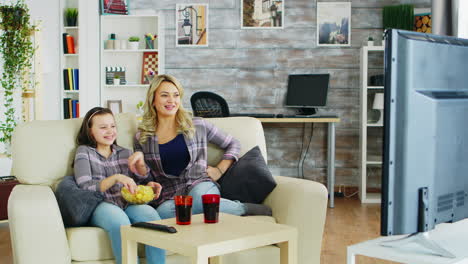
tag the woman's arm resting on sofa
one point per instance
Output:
(36, 227)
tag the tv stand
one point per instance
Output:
(452, 236)
(306, 111)
(423, 239)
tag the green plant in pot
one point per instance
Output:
(16, 51)
(133, 42)
(71, 16)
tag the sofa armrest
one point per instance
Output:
(302, 204)
(36, 227)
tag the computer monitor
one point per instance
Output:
(425, 150)
(306, 92)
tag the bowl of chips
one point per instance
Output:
(143, 195)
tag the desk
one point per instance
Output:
(331, 146)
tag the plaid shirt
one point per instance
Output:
(91, 168)
(195, 172)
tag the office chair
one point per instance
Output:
(208, 104)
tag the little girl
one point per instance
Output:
(101, 165)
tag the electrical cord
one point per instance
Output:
(302, 149)
(308, 145)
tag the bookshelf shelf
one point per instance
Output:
(127, 64)
(129, 51)
(69, 64)
(365, 139)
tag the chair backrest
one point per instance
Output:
(208, 104)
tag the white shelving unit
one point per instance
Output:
(125, 26)
(68, 60)
(367, 159)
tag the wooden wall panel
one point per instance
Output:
(250, 68)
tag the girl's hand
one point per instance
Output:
(214, 173)
(156, 188)
(136, 162)
(127, 182)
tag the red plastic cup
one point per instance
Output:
(211, 208)
(183, 205)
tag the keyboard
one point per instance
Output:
(257, 115)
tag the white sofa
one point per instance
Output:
(42, 156)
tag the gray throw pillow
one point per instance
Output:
(248, 180)
(76, 205)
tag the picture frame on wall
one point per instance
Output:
(262, 14)
(115, 106)
(333, 23)
(114, 7)
(191, 25)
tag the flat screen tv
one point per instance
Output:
(425, 150)
(306, 92)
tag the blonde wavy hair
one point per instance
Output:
(149, 123)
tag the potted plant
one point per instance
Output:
(370, 41)
(16, 51)
(71, 16)
(133, 42)
(116, 80)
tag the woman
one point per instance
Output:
(174, 146)
(101, 165)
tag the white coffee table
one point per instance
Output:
(200, 241)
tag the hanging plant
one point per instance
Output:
(16, 51)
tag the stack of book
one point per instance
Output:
(71, 79)
(68, 44)
(71, 108)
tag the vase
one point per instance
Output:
(133, 45)
(370, 43)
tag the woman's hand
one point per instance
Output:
(214, 173)
(127, 182)
(156, 188)
(136, 163)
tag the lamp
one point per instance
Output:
(187, 26)
(379, 105)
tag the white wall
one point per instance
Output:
(48, 11)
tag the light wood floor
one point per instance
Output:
(350, 222)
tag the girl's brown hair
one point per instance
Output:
(84, 136)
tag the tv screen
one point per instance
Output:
(307, 90)
(425, 152)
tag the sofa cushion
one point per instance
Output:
(76, 205)
(32, 157)
(248, 180)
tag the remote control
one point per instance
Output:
(164, 228)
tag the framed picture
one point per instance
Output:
(150, 67)
(333, 23)
(192, 25)
(262, 14)
(115, 106)
(119, 7)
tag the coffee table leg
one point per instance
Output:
(214, 260)
(288, 252)
(199, 259)
(129, 249)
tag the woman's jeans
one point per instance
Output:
(110, 217)
(167, 208)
